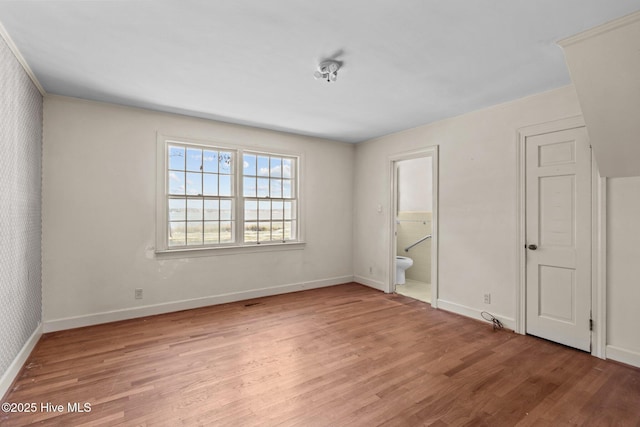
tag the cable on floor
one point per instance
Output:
(497, 324)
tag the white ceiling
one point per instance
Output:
(406, 62)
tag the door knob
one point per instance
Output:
(532, 247)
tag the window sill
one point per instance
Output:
(228, 250)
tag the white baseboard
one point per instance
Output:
(623, 355)
(474, 313)
(371, 283)
(150, 310)
(14, 369)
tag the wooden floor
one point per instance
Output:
(340, 356)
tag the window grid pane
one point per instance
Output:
(269, 220)
(269, 191)
(274, 176)
(177, 233)
(196, 172)
(201, 197)
(177, 158)
(197, 221)
(199, 212)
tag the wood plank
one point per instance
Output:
(343, 355)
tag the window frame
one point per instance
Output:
(293, 178)
(239, 245)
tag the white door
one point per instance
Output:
(558, 241)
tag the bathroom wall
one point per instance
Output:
(20, 226)
(414, 185)
(99, 202)
(412, 226)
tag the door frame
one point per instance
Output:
(598, 234)
(393, 203)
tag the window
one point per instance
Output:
(200, 196)
(269, 198)
(212, 199)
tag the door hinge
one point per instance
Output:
(591, 324)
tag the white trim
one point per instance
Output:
(228, 250)
(23, 62)
(371, 283)
(432, 152)
(393, 212)
(521, 279)
(14, 368)
(623, 355)
(473, 312)
(600, 29)
(521, 137)
(553, 126)
(598, 261)
(435, 230)
(168, 307)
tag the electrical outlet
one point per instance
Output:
(487, 298)
(138, 293)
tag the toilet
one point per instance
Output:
(402, 263)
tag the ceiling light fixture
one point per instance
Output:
(327, 70)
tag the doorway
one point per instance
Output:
(413, 252)
(556, 233)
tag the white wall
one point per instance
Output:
(604, 66)
(477, 204)
(99, 212)
(623, 269)
(414, 185)
(20, 230)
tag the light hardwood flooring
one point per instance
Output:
(340, 356)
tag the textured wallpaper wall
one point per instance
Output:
(20, 206)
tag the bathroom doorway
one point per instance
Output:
(414, 227)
